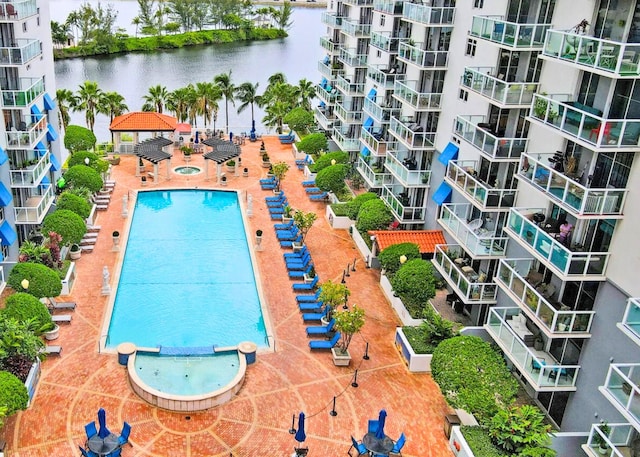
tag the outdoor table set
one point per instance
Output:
(103, 442)
(375, 442)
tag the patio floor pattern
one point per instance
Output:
(280, 384)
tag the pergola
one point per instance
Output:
(152, 151)
(222, 151)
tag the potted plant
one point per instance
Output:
(598, 438)
(348, 323)
(115, 236)
(187, 151)
(304, 222)
(223, 181)
(265, 161)
(143, 181)
(231, 166)
(258, 238)
(114, 160)
(287, 213)
(538, 343)
(333, 294)
(74, 251)
(245, 172)
(279, 172)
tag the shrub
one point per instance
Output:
(331, 179)
(373, 215)
(67, 224)
(13, 393)
(313, 144)
(324, 160)
(480, 442)
(74, 203)
(340, 209)
(43, 281)
(299, 119)
(433, 330)
(83, 176)
(22, 307)
(522, 431)
(389, 257)
(473, 376)
(414, 284)
(78, 138)
(353, 207)
(95, 162)
(19, 346)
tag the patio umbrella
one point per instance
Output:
(253, 126)
(381, 419)
(197, 136)
(300, 435)
(231, 137)
(102, 421)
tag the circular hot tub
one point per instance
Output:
(187, 170)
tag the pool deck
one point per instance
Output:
(280, 384)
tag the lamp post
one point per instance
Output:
(333, 161)
(403, 259)
(87, 161)
(25, 284)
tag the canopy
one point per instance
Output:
(450, 152)
(222, 150)
(151, 149)
(443, 194)
(7, 235)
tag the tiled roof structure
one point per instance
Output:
(425, 239)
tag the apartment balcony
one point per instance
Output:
(326, 69)
(401, 206)
(405, 171)
(428, 15)
(619, 440)
(329, 45)
(325, 117)
(502, 93)
(412, 135)
(426, 60)
(355, 29)
(383, 76)
(18, 10)
(463, 175)
(406, 92)
(385, 41)
(22, 52)
(569, 264)
(540, 368)
(326, 92)
(351, 57)
(375, 142)
(348, 88)
(613, 59)
(374, 176)
(392, 7)
(347, 116)
(29, 173)
(554, 318)
(30, 90)
(35, 208)
(630, 324)
(479, 134)
(479, 242)
(585, 124)
(577, 199)
(511, 35)
(622, 389)
(358, 2)
(344, 141)
(331, 19)
(30, 131)
(468, 284)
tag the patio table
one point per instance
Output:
(103, 446)
(377, 446)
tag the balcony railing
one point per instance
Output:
(341, 137)
(21, 53)
(31, 175)
(572, 195)
(566, 263)
(326, 95)
(354, 28)
(622, 388)
(492, 146)
(428, 15)
(385, 41)
(462, 174)
(406, 91)
(477, 242)
(324, 118)
(378, 111)
(30, 89)
(346, 116)
(407, 177)
(18, 10)
(348, 88)
(31, 130)
(585, 123)
(35, 207)
(510, 94)
(433, 60)
(509, 34)
(377, 146)
(554, 318)
(618, 439)
(404, 212)
(325, 69)
(388, 6)
(331, 19)
(383, 75)
(351, 58)
(358, 2)
(468, 285)
(613, 57)
(373, 178)
(631, 321)
(329, 45)
(412, 135)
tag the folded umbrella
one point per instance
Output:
(103, 432)
(300, 434)
(381, 419)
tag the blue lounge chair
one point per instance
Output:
(285, 135)
(309, 298)
(293, 230)
(397, 447)
(319, 197)
(275, 198)
(322, 330)
(268, 180)
(311, 306)
(312, 317)
(124, 436)
(325, 344)
(278, 203)
(313, 190)
(296, 255)
(298, 260)
(90, 429)
(284, 226)
(298, 274)
(288, 244)
(288, 236)
(306, 285)
(304, 265)
(358, 447)
(276, 210)
(310, 183)
(268, 186)
(301, 163)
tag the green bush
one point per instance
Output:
(74, 203)
(353, 207)
(313, 144)
(522, 431)
(331, 179)
(340, 209)
(324, 160)
(414, 284)
(433, 330)
(43, 281)
(389, 257)
(67, 224)
(13, 393)
(98, 164)
(473, 376)
(480, 442)
(299, 119)
(22, 307)
(78, 138)
(83, 176)
(373, 215)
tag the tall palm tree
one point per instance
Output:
(276, 78)
(275, 115)
(112, 104)
(193, 108)
(155, 99)
(247, 95)
(306, 91)
(208, 95)
(178, 103)
(223, 81)
(88, 98)
(66, 102)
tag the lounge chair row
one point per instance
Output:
(301, 163)
(55, 305)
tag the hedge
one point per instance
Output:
(324, 160)
(22, 306)
(67, 224)
(479, 441)
(414, 284)
(83, 176)
(331, 178)
(373, 215)
(43, 281)
(313, 144)
(74, 203)
(78, 138)
(353, 207)
(78, 158)
(389, 257)
(299, 119)
(13, 393)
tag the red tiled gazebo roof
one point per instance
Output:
(425, 239)
(142, 121)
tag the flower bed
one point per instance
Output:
(417, 363)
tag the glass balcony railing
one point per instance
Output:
(555, 318)
(393, 7)
(375, 177)
(412, 135)
(631, 320)
(512, 94)
(377, 108)
(385, 41)
(463, 175)
(30, 89)
(30, 173)
(398, 166)
(331, 19)
(384, 76)
(573, 196)
(428, 15)
(509, 34)
(401, 207)
(540, 368)
(585, 123)
(344, 84)
(494, 147)
(406, 92)
(375, 143)
(351, 58)
(326, 93)
(478, 242)
(23, 51)
(35, 208)
(346, 116)
(358, 2)
(31, 130)
(18, 10)
(622, 388)
(324, 117)
(470, 286)
(355, 29)
(325, 69)
(329, 45)
(613, 57)
(343, 140)
(428, 60)
(618, 438)
(554, 254)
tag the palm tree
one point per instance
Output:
(208, 95)
(223, 80)
(193, 109)
(88, 98)
(178, 103)
(306, 91)
(247, 94)
(275, 115)
(112, 104)
(277, 78)
(66, 102)
(156, 99)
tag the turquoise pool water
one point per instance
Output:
(187, 278)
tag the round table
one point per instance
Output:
(103, 446)
(377, 445)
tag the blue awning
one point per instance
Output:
(372, 94)
(364, 152)
(5, 195)
(326, 60)
(3, 156)
(35, 109)
(45, 180)
(443, 194)
(49, 104)
(55, 164)
(449, 153)
(8, 236)
(322, 105)
(368, 123)
(41, 149)
(52, 135)
(323, 82)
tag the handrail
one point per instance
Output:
(489, 197)
(478, 245)
(477, 291)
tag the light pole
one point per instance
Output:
(25, 284)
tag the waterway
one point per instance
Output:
(131, 75)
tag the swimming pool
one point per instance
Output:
(187, 279)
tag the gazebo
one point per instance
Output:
(222, 151)
(152, 151)
(141, 121)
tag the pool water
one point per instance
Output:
(187, 278)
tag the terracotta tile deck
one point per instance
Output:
(280, 384)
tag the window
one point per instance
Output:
(471, 47)
(464, 95)
(478, 3)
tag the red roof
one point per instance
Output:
(425, 239)
(142, 121)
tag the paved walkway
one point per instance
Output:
(282, 383)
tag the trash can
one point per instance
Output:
(124, 351)
(249, 349)
(449, 421)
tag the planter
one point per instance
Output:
(75, 252)
(397, 304)
(187, 158)
(52, 334)
(417, 363)
(308, 279)
(143, 181)
(340, 359)
(69, 280)
(245, 173)
(113, 160)
(337, 222)
(32, 380)
(231, 168)
(266, 164)
(363, 248)
(115, 237)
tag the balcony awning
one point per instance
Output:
(368, 123)
(49, 104)
(443, 194)
(41, 149)
(35, 110)
(52, 135)
(450, 152)
(8, 236)
(55, 164)
(322, 105)
(5, 195)
(3, 156)
(323, 82)
(372, 94)
(364, 152)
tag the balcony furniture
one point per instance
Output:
(537, 364)
(596, 130)
(518, 324)
(574, 117)
(631, 133)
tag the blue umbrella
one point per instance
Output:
(102, 421)
(231, 137)
(197, 136)
(253, 126)
(300, 435)
(381, 419)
